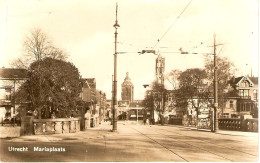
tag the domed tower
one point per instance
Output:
(127, 89)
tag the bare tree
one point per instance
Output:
(172, 77)
(225, 71)
(36, 47)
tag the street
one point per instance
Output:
(134, 143)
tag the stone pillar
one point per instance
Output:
(27, 125)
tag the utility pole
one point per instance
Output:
(116, 25)
(112, 104)
(215, 88)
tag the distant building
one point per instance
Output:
(159, 69)
(127, 89)
(89, 90)
(136, 110)
(96, 100)
(10, 80)
(88, 95)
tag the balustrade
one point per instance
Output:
(56, 126)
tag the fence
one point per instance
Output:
(237, 124)
(233, 124)
(175, 121)
(56, 126)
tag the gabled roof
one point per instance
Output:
(254, 80)
(13, 73)
(234, 80)
(237, 80)
(89, 82)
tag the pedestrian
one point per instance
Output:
(144, 121)
(147, 121)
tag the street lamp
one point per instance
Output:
(116, 25)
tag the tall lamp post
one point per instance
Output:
(116, 25)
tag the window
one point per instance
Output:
(231, 104)
(243, 84)
(243, 92)
(225, 115)
(255, 94)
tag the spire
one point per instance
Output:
(127, 77)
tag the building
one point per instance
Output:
(122, 109)
(101, 104)
(127, 89)
(10, 81)
(242, 97)
(136, 110)
(96, 101)
(159, 69)
(88, 95)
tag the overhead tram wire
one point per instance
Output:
(201, 43)
(172, 25)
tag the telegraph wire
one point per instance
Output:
(172, 24)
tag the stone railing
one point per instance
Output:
(56, 126)
(237, 124)
(251, 125)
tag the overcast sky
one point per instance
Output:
(84, 30)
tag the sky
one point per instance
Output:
(84, 30)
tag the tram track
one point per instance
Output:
(160, 144)
(189, 144)
(207, 142)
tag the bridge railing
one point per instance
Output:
(56, 125)
(237, 124)
(230, 124)
(251, 125)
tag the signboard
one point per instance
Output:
(203, 123)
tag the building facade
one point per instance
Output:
(10, 81)
(242, 98)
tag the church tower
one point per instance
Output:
(127, 89)
(159, 69)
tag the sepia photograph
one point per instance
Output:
(129, 81)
